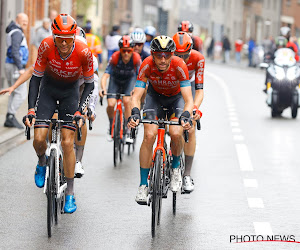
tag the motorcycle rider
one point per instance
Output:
(286, 32)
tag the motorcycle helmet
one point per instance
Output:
(150, 30)
(280, 42)
(285, 31)
(162, 44)
(138, 36)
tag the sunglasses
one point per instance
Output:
(183, 56)
(160, 55)
(67, 39)
(126, 51)
(138, 44)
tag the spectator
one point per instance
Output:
(268, 45)
(226, 49)
(53, 14)
(93, 43)
(112, 41)
(210, 49)
(251, 46)
(42, 32)
(16, 60)
(238, 48)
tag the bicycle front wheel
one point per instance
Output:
(51, 202)
(156, 190)
(116, 138)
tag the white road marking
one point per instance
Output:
(262, 228)
(236, 130)
(250, 183)
(234, 124)
(238, 137)
(243, 157)
(233, 118)
(255, 203)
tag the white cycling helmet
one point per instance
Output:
(82, 39)
(285, 31)
(138, 36)
(150, 30)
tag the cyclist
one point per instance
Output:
(187, 26)
(139, 38)
(61, 60)
(150, 32)
(121, 70)
(195, 62)
(169, 88)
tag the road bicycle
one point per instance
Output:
(159, 174)
(118, 129)
(55, 182)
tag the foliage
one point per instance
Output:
(82, 6)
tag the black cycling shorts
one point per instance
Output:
(68, 98)
(159, 106)
(117, 86)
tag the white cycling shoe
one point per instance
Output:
(79, 171)
(142, 194)
(176, 180)
(187, 184)
(128, 140)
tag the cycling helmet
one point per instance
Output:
(80, 32)
(64, 24)
(186, 26)
(82, 39)
(280, 41)
(138, 36)
(162, 44)
(183, 42)
(150, 30)
(126, 42)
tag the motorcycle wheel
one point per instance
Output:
(294, 106)
(274, 110)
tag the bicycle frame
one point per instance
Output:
(160, 144)
(120, 108)
(55, 144)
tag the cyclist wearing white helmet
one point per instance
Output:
(150, 32)
(139, 38)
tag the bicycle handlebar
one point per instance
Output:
(89, 114)
(113, 94)
(198, 122)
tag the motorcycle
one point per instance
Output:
(283, 82)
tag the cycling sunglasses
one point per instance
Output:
(160, 55)
(138, 44)
(126, 51)
(183, 56)
(67, 39)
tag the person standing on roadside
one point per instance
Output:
(238, 48)
(112, 41)
(226, 49)
(42, 32)
(16, 60)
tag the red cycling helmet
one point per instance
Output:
(64, 24)
(186, 26)
(183, 42)
(126, 42)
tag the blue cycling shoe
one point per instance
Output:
(39, 176)
(70, 206)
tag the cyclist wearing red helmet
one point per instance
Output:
(60, 62)
(121, 70)
(188, 27)
(195, 62)
(169, 95)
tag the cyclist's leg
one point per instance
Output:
(45, 108)
(79, 149)
(111, 100)
(127, 89)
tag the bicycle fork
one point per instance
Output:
(119, 107)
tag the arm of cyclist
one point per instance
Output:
(94, 98)
(199, 94)
(104, 78)
(138, 92)
(188, 107)
(23, 78)
(199, 79)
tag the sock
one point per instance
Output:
(176, 161)
(79, 152)
(70, 184)
(42, 160)
(188, 160)
(144, 176)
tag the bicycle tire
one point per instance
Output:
(62, 181)
(116, 138)
(121, 145)
(156, 191)
(50, 192)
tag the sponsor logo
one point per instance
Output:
(64, 73)
(182, 72)
(142, 70)
(89, 56)
(42, 49)
(165, 83)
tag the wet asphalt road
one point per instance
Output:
(246, 173)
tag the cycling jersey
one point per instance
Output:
(121, 71)
(144, 54)
(167, 83)
(195, 66)
(197, 43)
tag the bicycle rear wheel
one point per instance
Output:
(51, 202)
(116, 138)
(156, 191)
(122, 142)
